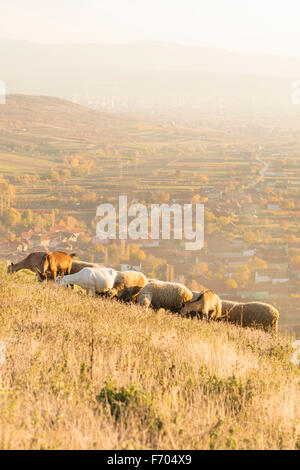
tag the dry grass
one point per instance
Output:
(87, 373)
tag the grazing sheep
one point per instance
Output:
(204, 304)
(79, 265)
(167, 295)
(256, 314)
(126, 280)
(97, 280)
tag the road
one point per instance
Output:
(262, 172)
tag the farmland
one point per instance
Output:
(60, 160)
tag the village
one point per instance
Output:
(246, 176)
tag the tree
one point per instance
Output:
(27, 218)
(11, 218)
(198, 269)
(258, 263)
(231, 284)
(242, 274)
(250, 238)
(295, 261)
(54, 176)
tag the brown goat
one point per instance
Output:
(57, 263)
(204, 304)
(31, 262)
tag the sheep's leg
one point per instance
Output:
(92, 290)
(144, 301)
(211, 314)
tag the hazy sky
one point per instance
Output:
(243, 25)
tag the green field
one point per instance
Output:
(11, 164)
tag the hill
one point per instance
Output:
(170, 79)
(38, 125)
(46, 129)
(85, 373)
(17, 54)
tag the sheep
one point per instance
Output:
(79, 265)
(126, 280)
(96, 280)
(167, 295)
(256, 314)
(204, 304)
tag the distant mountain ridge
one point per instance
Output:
(151, 77)
(145, 55)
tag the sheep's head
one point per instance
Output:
(111, 293)
(193, 308)
(200, 306)
(129, 294)
(58, 281)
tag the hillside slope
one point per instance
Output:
(43, 124)
(87, 373)
(68, 58)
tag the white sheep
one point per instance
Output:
(125, 281)
(167, 295)
(96, 280)
(256, 314)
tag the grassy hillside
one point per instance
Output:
(90, 373)
(42, 127)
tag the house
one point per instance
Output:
(248, 209)
(35, 240)
(45, 241)
(272, 276)
(236, 261)
(262, 275)
(16, 246)
(250, 253)
(281, 278)
(27, 235)
(128, 267)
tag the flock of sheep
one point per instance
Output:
(133, 286)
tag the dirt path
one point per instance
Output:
(262, 172)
